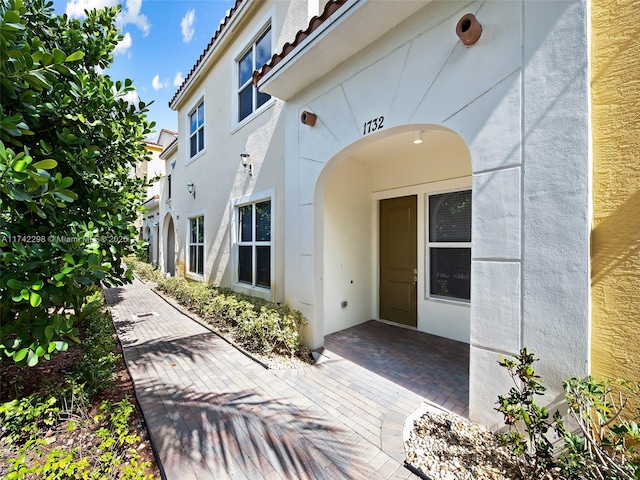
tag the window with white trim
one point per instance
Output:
(449, 245)
(256, 55)
(254, 244)
(196, 245)
(196, 130)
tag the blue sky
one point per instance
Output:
(163, 40)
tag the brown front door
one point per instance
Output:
(398, 260)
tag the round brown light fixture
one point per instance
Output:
(468, 29)
(308, 118)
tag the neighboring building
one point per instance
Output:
(149, 223)
(168, 244)
(397, 174)
(615, 237)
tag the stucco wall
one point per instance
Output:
(519, 100)
(347, 245)
(216, 172)
(615, 255)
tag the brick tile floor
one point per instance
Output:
(213, 413)
(433, 367)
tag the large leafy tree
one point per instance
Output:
(69, 141)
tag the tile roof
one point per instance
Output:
(314, 23)
(223, 23)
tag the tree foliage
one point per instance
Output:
(69, 141)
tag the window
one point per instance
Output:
(254, 244)
(450, 245)
(196, 245)
(196, 130)
(173, 165)
(259, 53)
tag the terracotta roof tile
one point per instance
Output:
(314, 23)
(223, 23)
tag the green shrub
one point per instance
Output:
(255, 323)
(113, 457)
(605, 446)
(21, 418)
(96, 367)
(602, 447)
(142, 269)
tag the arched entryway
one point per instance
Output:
(147, 237)
(170, 248)
(392, 223)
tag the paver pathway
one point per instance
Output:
(213, 413)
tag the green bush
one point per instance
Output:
(114, 457)
(603, 446)
(255, 323)
(24, 420)
(96, 367)
(23, 417)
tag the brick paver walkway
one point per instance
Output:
(213, 413)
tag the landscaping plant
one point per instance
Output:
(103, 444)
(528, 422)
(254, 323)
(603, 445)
(68, 142)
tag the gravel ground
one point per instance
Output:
(445, 446)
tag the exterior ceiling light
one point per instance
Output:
(417, 137)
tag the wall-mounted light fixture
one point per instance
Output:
(417, 137)
(245, 158)
(191, 188)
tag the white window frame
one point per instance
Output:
(189, 273)
(432, 244)
(266, 23)
(199, 131)
(193, 108)
(253, 288)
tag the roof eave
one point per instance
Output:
(332, 43)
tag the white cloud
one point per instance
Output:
(178, 79)
(76, 8)
(123, 45)
(130, 11)
(157, 84)
(187, 26)
(131, 97)
(131, 14)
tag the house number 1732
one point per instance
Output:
(373, 125)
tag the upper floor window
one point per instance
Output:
(450, 245)
(196, 130)
(257, 54)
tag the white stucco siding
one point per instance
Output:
(348, 248)
(217, 173)
(419, 73)
(556, 184)
(519, 100)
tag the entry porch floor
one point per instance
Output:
(435, 368)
